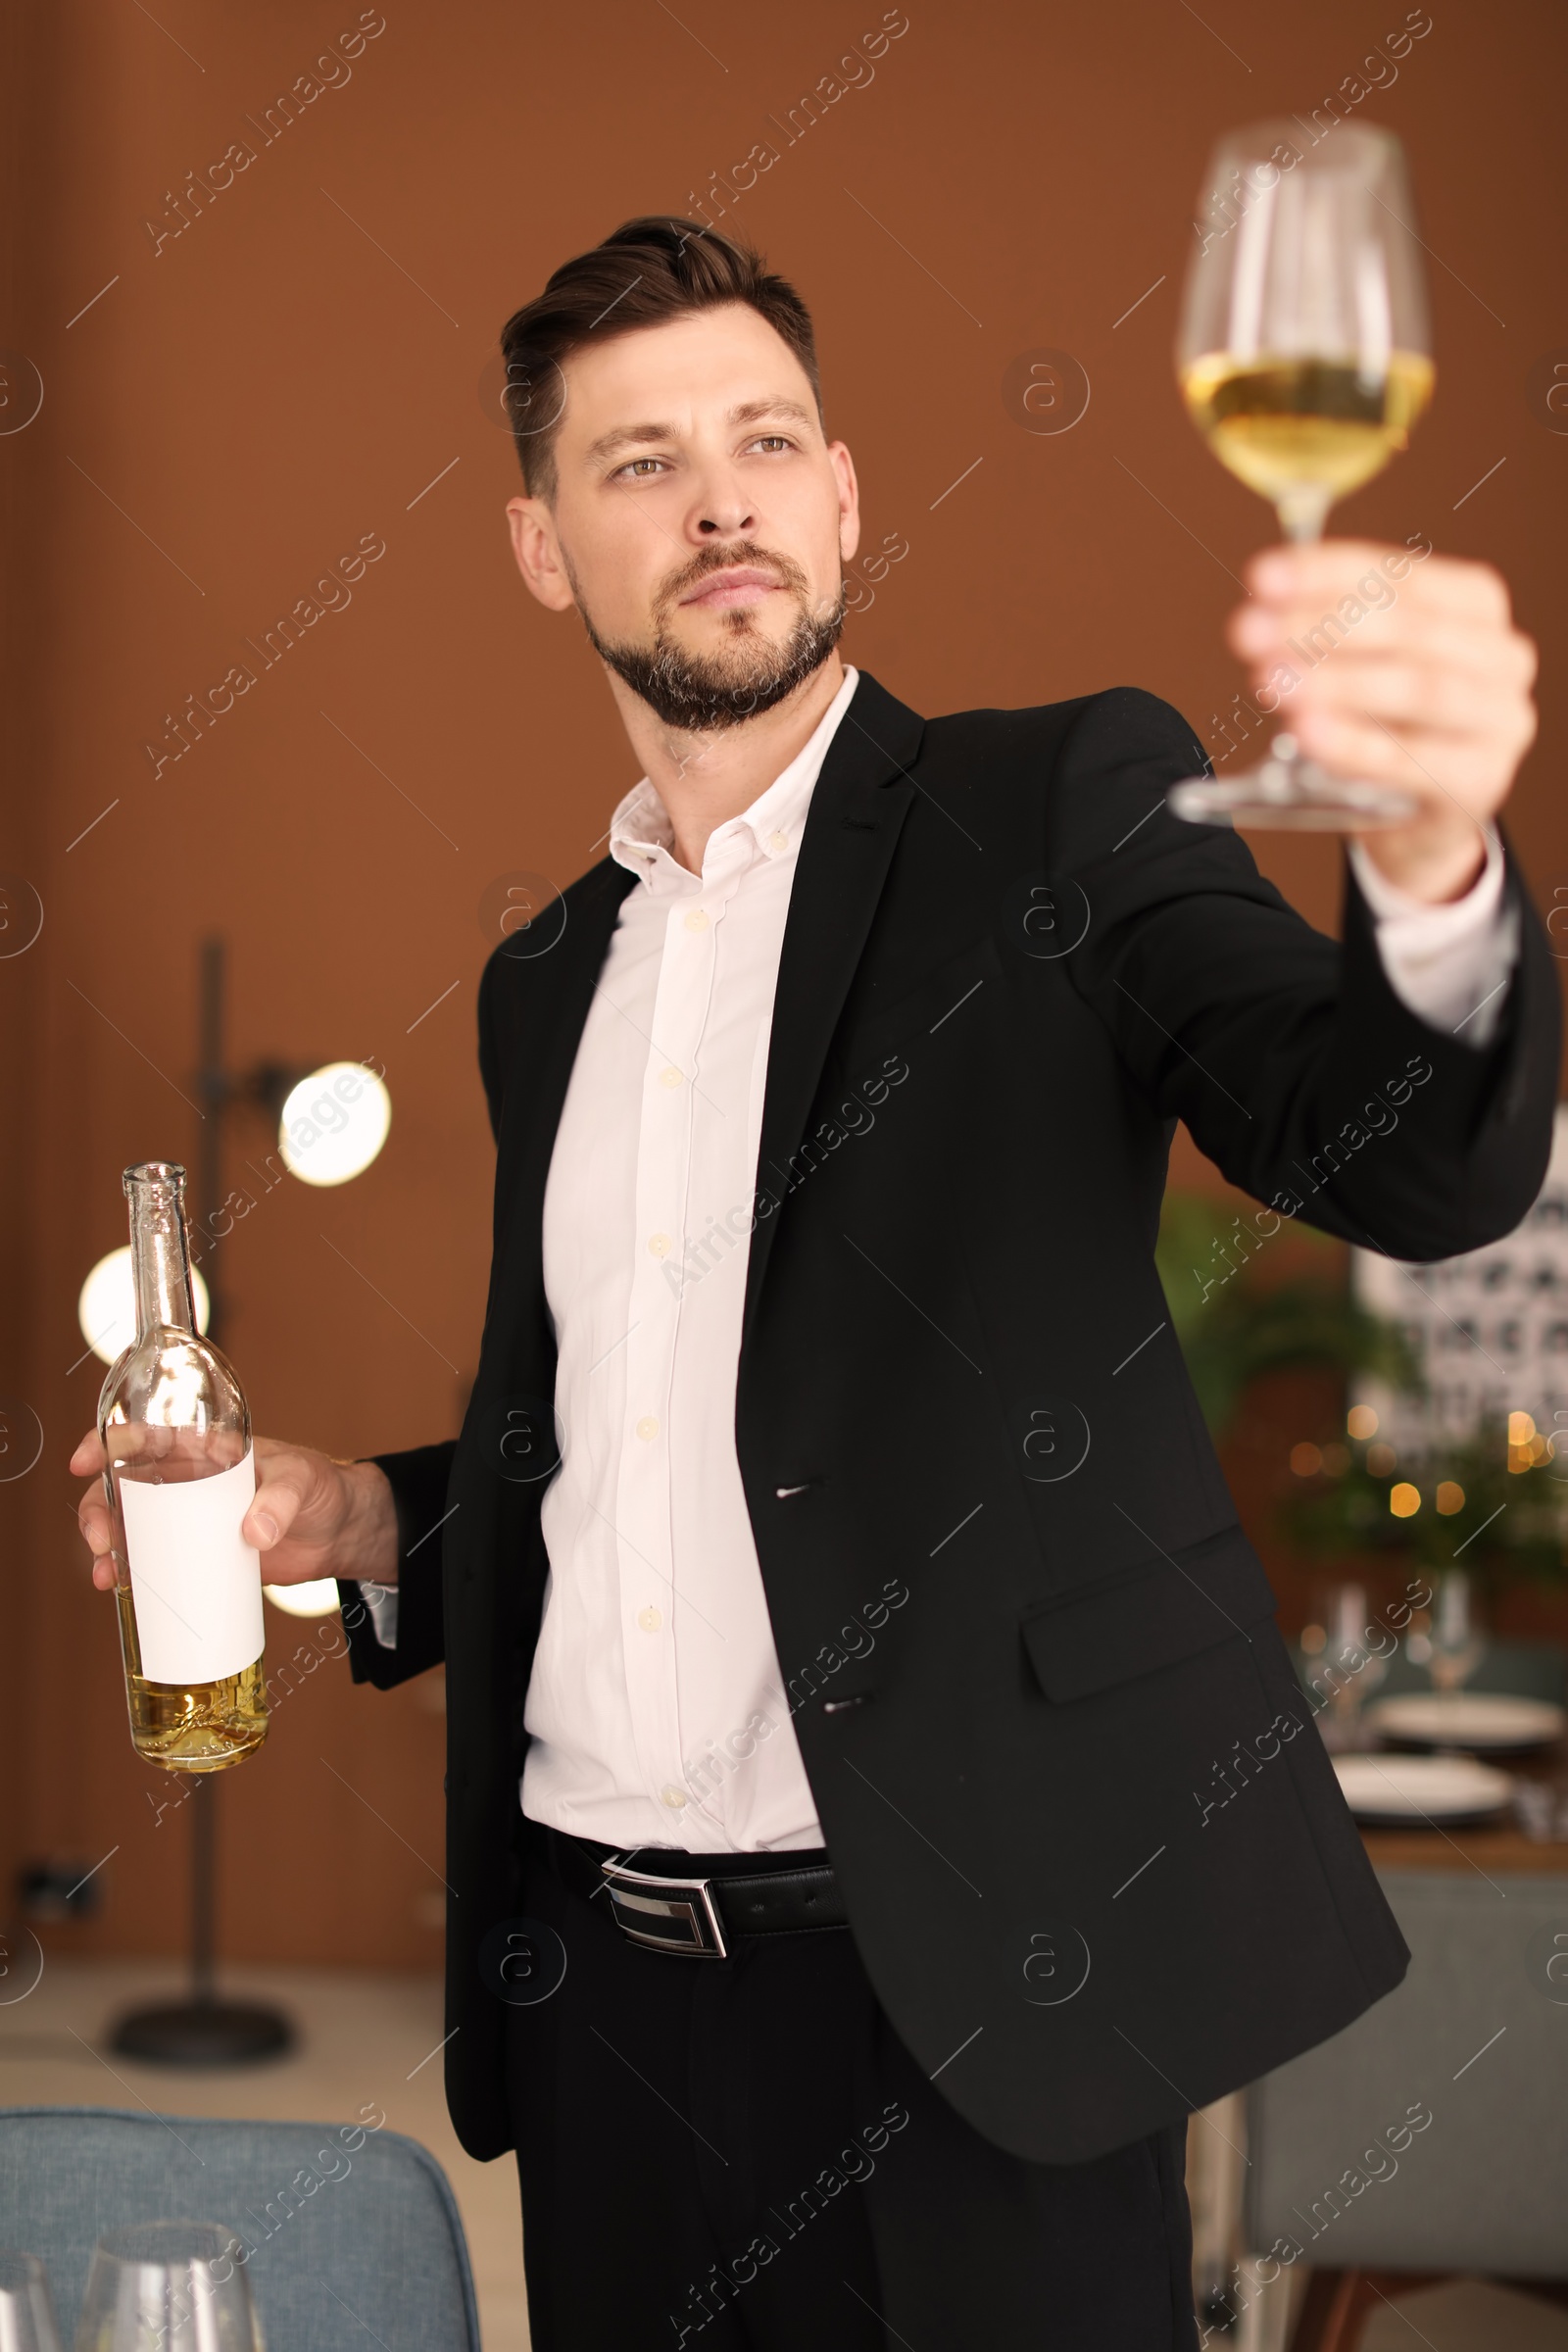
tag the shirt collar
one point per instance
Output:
(641, 836)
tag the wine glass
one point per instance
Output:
(1351, 1670)
(1458, 1644)
(169, 2286)
(27, 2309)
(1304, 357)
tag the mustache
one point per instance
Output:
(735, 553)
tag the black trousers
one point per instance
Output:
(741, 2153)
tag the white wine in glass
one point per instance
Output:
(1304, 359)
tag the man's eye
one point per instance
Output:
(632, 465)
(779, 440)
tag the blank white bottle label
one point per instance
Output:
(195, 1583)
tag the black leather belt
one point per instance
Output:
(673, 1904)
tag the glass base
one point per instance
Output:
(1290, 794)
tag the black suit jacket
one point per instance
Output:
(1094, 1853)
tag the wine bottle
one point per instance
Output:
(180, 1476)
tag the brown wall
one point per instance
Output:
(292, 371)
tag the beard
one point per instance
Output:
(698, 693)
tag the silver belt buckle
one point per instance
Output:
(651, 1911)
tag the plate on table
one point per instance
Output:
(1468, 1719)
(1414, 1788)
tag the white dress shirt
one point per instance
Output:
(1451, 964)
(656, 1709)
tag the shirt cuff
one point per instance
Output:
(1448, 965)
(382, 1602)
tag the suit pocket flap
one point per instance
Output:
(1130, 1624)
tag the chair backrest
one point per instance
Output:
(1432, 2135)
(351, 2233)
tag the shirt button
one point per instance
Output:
(777, 842)
(659, 1244)
(669, 1077)
(648, 1426)
(650, 1620)
(674, 1798)
(696, 920)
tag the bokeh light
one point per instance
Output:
(333, 1123)
(318, 1598)
(106, 1307)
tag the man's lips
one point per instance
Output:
(739, 584)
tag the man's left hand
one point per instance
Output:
(1427, 686)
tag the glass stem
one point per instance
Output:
(1303, 513)
(1283, 773)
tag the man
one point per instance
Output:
(880, 1803)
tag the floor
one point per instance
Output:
(363, 2034)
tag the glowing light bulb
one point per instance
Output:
(334, 1123)
(106, 1307)
(318, 1598)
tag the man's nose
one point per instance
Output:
(728, 516)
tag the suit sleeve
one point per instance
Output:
(419, 1478)
(1293, 1061)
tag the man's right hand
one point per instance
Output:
(313, 1516)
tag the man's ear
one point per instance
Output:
(538, 553)
(849, 498)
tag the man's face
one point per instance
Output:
(700, 521)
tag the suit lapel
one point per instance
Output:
(857, 812)
(539, 1061)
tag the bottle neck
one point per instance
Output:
(160, 1256)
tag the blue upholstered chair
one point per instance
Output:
(1431, 2137)
(373, 2252)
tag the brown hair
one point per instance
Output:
(646, 272)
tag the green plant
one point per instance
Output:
(1234, 1325)
(1494, 1507)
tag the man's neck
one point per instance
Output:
(704, 779)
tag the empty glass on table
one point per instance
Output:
(169, 2286)
(27, 2309)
